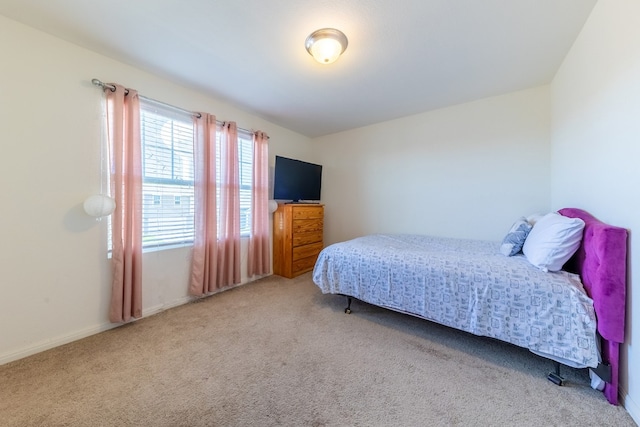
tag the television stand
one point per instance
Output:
(301, 202)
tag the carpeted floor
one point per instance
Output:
(277, 352)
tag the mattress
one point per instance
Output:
(467, 285)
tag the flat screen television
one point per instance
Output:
(296, 180)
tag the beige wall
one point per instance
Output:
(55, 273)
(465, 171)
(596, 145)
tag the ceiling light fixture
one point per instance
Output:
(326, 45)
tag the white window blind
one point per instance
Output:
(167, 165)
(245, 158)
(245, 148)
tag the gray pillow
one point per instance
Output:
(514, 240)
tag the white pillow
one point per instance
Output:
(552, 241)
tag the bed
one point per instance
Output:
(574, 316)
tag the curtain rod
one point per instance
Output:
(112, 88)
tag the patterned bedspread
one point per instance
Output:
(467, 285)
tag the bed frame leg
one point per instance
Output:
(348, 309)
(604, 372)
(555, 377)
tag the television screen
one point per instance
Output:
(296, 180)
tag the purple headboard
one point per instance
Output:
(601, 262)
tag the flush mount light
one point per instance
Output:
(326, 45)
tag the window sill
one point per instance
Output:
(159, 248)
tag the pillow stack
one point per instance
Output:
(548, 244)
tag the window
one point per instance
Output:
(168, 180)
(245, 158)
(167, 170)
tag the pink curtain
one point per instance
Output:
(259, 261)
(123, 127)
(229, 220)
(205, 249)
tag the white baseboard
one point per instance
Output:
(84, 333)
(162, 307)
(54, 342)
(630, 405)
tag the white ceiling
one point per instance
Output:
(404, 56)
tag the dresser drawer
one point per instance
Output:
(308, 212)
(306, 225)
(300, 239)
(307, 251)
(303, 265)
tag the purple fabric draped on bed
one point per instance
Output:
(601, 262)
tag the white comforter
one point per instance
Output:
(468, 285)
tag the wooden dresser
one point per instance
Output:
(297, 238)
